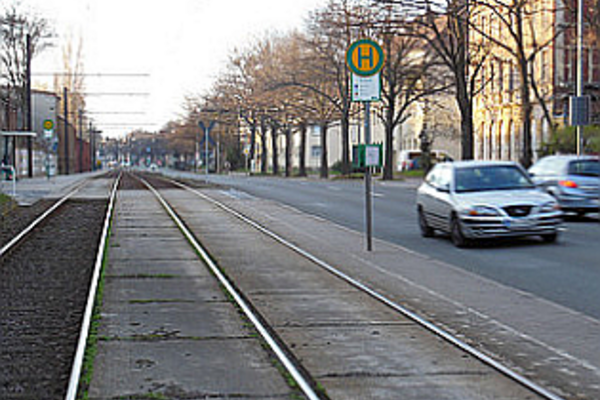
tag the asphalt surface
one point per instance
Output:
(567, 273)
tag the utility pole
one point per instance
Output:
(579, 70)
(80, 115)
(28, 107)
(66, 129)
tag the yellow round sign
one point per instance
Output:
(48, 124)
(365, 57)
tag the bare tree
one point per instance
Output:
(23, 37)
(412, 71)
(444, 25)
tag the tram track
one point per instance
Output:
(65, 378)
(513, 375)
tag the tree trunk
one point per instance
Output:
(264, 155)
(302, 152)
(324, 157)
(465, 105)
(526, 111)
(275, 155)
(252, 141)
(288, 151)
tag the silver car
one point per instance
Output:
(485, 199)
(572, 180)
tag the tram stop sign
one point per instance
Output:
(48, 128)
(365, 57)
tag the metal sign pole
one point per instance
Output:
(368, 205)
(579, 71)
(206, 153)
(206, 130)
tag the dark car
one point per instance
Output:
(572, 180)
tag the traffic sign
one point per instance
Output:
(365, 57)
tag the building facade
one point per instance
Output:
(549, 43)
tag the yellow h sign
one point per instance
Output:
(365, 57)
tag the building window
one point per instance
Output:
(501, 76)
(315, 151)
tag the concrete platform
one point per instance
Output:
(30, 190)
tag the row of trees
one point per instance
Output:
(289, 81)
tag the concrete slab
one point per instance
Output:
(174, 290)
(146, 267)
(169, 320)
(184, 369)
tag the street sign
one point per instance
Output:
(373, 155)
(366, 88)
(365, 57)
(579, 110)
(370, 155)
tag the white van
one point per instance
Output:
(409, 159)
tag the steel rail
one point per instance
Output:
(243, 304)
(89, 308)
(38, 220)
(503, 369)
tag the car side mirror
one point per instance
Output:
(531, 174)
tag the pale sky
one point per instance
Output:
(181, 44)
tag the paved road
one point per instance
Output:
(567, 273)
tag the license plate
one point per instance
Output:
(518, 224)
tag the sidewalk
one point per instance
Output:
(30, 190)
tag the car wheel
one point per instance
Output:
(550, 238)
(456, 234)
(426, 230)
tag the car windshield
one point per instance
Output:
(584, 168)
(494, 177)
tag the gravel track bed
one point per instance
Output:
(43, 290)
(130, 181)
(14, 219)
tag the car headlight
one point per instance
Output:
(481, 211)
(550, 206)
